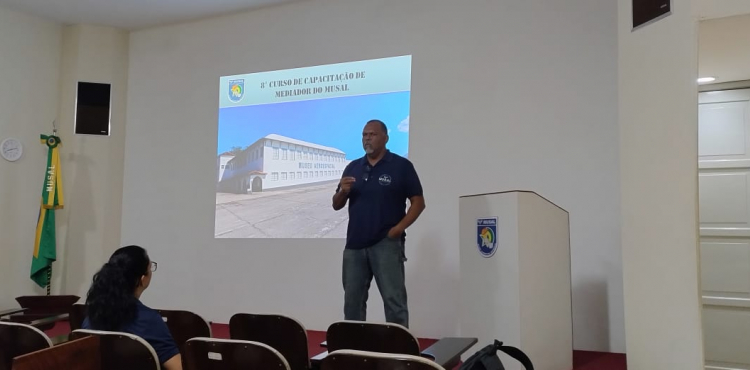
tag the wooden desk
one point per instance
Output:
(317, 359)
(81, 354)
(11, 311)
(40, 307)
(41, 311)
(447, 351)
(60, 339)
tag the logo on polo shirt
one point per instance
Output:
(487, 236)
(384, 180)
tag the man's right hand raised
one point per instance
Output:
(341, 196)
(346, 184)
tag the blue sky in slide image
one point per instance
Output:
(333, 122)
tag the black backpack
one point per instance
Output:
(486, 358)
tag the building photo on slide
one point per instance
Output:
(285, 138)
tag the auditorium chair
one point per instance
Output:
(122, 351)
(76, 316)
(394, 339)
(182, 325)
(185, 325)
(230, 354)
(361, 360)
(19, 339)
(282, 333)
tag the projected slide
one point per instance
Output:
(286, 136)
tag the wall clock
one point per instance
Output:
(11, 149)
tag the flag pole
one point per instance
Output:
(49, 269)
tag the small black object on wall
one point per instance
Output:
(645, 11)
(93, 106)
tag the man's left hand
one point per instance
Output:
(395, 232)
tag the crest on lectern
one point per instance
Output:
(487, 236)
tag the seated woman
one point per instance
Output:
(113, 303)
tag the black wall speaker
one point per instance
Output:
(645, 11)
(93, 105)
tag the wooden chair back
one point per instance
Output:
(122, 351)
(185, 325)
(76, 316)
(18, 339)
(229, 354)
(282, 333)
(371, 337)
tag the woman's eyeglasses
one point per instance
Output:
(154, 265)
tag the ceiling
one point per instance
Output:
(132, 14)
(724, 48)
(136, 14)
(711, 9)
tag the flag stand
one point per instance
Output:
(45, 253)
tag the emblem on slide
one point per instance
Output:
(236, 90)
(487, 236)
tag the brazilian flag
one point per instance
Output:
(52, 198)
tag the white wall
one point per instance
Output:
(89, 226)
(724, 48)
(505, 95)
(29, 73)
(40, 65)
(659, 180)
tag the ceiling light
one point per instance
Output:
(703, 80)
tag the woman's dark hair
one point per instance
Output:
(111, 301)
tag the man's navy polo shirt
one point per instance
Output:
(377, 200)
(150, 326)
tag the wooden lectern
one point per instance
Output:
(515, 276)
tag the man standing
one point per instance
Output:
(377, 187)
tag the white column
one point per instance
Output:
(658, 164)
